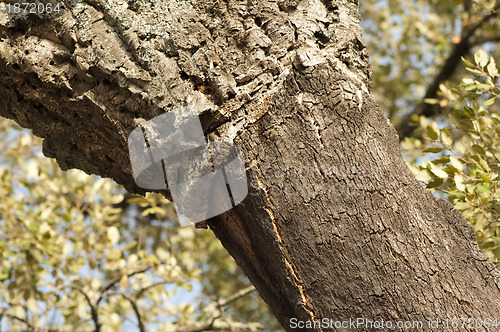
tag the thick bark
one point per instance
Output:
(335, 225)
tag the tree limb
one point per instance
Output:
(156, 284)
(93, 308)
(485, 39)
(22, 320)
(237, 295)
(113, 282)
(220, 326)
(133, 303)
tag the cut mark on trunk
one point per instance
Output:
(298, 282)
(284, 251)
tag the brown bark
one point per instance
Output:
(335, 225)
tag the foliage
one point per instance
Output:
(466, 168)
(77, 251)
(411, 40)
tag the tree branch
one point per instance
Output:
(113, 282)
(133, 303)
(237, 295)
(93, 308)
(144, 289)
(485, 39)
(30, 327)
(220, 326)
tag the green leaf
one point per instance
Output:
(469, 111)
(468, 63)
(433, 150)
(32, 226)
(485, 178)
(484, 164)
(432, 133)
(438, 171)
(474, 71)
(459, 179)
(441, 161)
(468, 81)
(456, 163)
(5, 274)
(130, 245)
(431, 101)
(484, 87)
(489, 102)
(453, 194)
(136, 200)
(154, 210)
(478, 150)
(114, 254)
(435, 183)
(424, 176)
(124, 282)
(81, 310)
(484, 187)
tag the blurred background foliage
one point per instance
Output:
(459, 157)
(417, 45)
(79, 253)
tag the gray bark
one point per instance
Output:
(335, 225)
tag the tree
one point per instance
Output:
(335, 225)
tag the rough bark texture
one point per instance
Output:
(335, 225)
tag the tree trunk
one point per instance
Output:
(335, 226)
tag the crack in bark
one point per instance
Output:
(307, 305)
(399, 257)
